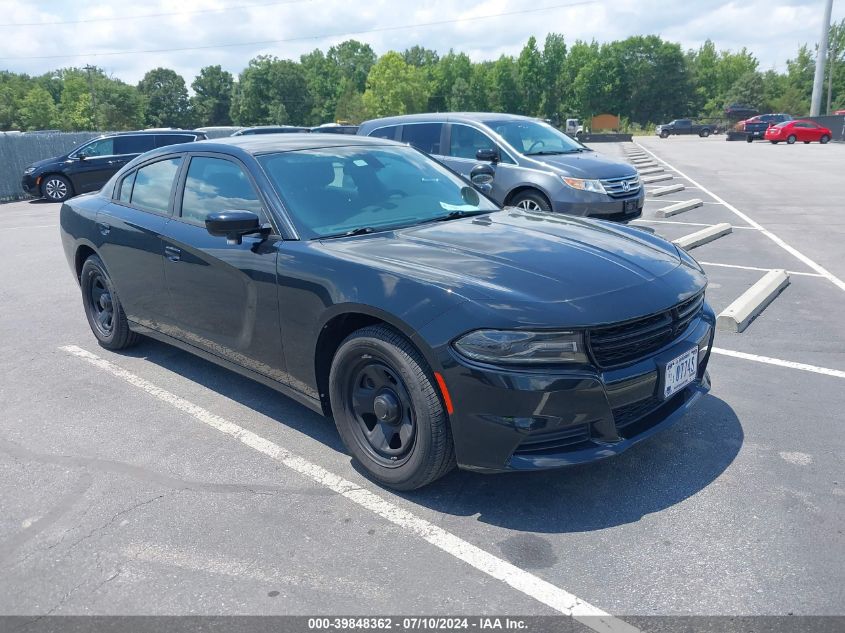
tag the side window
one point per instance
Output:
(125, 192)
(465, 141)
(215, 184)
(388, 132)
(103, 147)
(153, 184)
(162, 140)
(134, 144)
(423, 136)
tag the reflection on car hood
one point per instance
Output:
(589, 165)
(514, 256)
(47, 162)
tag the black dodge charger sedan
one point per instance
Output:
(371, 283)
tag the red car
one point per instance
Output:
(800, 130)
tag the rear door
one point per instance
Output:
(131, 226)
(427, 137)
(224, 296)
(130, 146)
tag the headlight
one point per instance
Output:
(29, 170)
(584, 185)
(521, 347)
(689, 260)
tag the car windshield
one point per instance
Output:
(533, 138)
(336, 191)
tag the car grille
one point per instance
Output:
(630, 413)
(615, 187)
(627, 342)
(555, 441)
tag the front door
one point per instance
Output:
(464, 143)
(224, 296)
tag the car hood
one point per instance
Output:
(45, 163)
(593, 271)
(589, 165)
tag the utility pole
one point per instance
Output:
(88, 68)
(821, 62)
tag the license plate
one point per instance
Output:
(629, 206)
(680, 372)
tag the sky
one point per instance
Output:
(128, 38)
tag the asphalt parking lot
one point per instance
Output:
(127, 487)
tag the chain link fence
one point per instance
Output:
(18, 151)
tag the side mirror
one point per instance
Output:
(232, 225)
(488, 155)
(482, 177)
(82, 156)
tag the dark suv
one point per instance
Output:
(89, 166)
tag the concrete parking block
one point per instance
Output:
(662, 191)
(650, 170)
(678, 207)
(737, 316)
(703, 236)
(644, 159)
(657, 178)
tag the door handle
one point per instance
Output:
(104, 228)
(172, 253)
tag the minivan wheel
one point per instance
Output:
(105, 315)
(388, 411)
(791, 139)
(56, 188)
(531, 201)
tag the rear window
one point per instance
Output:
(134, 144)
(388, 132)
(423, 136)
(153, 184)
(163, 140)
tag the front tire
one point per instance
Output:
(774, 142)
(824, 139)
(749, 139)
(105, 314)
(704, 133)
(664, 135)
(388, 411)
(56, 188)
(531, 201)
(791, 139)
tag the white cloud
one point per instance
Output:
(772, 30)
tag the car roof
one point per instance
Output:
(443, 117)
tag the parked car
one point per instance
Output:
(369, 282)
(271, 129)
(574, 128)
(335, 128)
(684, 126)
(537, 166)
(756, 126)
(739, 111)
(800, 130)
(87, 167)
(839, 112)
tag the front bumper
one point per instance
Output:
(604, 208)
(532, 420)
(31, 184)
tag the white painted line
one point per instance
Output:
(658, 178)
(703, 236)
(650, 221)
(662, 191)
(650, 170)
(678, 207)
(36, 226)
(789, 249)
(521, 580)
(737, 316)
(702, 202)
(836, 373)
(763, 270)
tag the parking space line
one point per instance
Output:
(747, 228)
(552, 596)
(789, 249)
(836, 373)
(765, 270)
(36, 226)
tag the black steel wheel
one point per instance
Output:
(56, 188)
(388, 411)
(102, 307)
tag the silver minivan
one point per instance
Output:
(537, 167)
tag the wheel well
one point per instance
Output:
(513, 194)
(55, 173)
(331, 336)
(82, 253)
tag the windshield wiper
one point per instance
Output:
(361, 230)
(454, 215)
(549, 152)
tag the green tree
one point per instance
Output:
(394, 87)
(323, 78)
(212, 98)
(350, 104)
(449, 69)
(554, 58)
(271, 91)
(529, 71)
(166, 98)
(503, 86)
(38, 111)
(353, 60)
(748, 89)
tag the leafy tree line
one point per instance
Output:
(644, 79)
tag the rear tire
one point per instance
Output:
(791, 139)
(531, 201)
(102, 306)
(388, 411)
(664, 135)
(806, 142)
(704, 133)
(824, 139)
(774, 142)
(56, 188)
(749, 139)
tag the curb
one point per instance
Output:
(737, 316)
(678, 207)
(650, 170)
(703, 236)
(657, 178)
